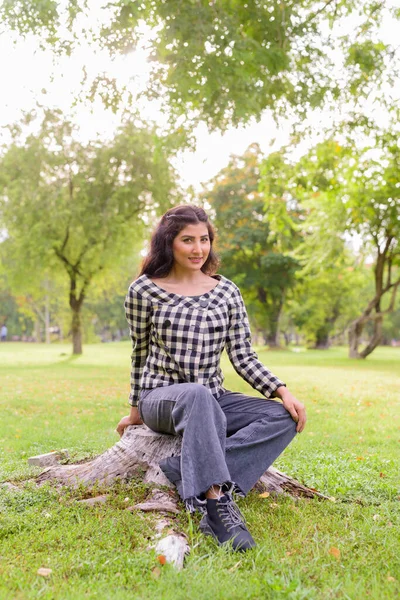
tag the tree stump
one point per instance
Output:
(138, 453)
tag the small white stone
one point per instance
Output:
(43, 572)
(174, 548)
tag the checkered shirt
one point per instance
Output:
(179, 339)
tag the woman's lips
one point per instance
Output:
(195, 259)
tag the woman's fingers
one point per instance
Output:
(297, 411)
(293, 412)
(302, 419)
(120, 428)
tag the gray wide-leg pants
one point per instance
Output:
(232, 440)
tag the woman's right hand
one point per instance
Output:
(132, 419)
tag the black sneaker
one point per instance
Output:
(225, 523)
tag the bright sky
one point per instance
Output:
(29, 76)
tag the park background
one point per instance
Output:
(282, 120)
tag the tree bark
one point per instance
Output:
(75, 302)
(355, 332)
(139, 452)
(376, 338)
(76, 330)
(273, 310)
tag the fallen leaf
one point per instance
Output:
(390, 578)
(382, 475)
(161, 559)
(43, 572)
(360, 458)
(264, 495)
(156, 572)
(232, 569)
(334, 552)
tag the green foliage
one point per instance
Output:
(327, 300)
(226, 62)
(248, 252)
(27, 17)
(344, 196)
(80, 207)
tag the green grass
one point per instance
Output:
(347, 548)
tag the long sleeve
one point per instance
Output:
(137, 310)
(241, 354)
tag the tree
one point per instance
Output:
(351, 191)
(327, 300)
(248, 253)
(228, 61)
(81, 206)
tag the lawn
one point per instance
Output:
(345, 548)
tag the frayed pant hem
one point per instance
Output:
(199, 503)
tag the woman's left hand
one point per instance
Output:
(294, 407)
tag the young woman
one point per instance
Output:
(181, 317)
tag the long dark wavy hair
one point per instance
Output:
(160, 259)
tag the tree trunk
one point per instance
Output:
(355, 332)
(76, 329)
(273, 310)
(271, 339)
(322, 338)
(375, 340)
(75, 302)
(373, 311)
(140, 451)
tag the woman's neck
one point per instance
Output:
(185, 277)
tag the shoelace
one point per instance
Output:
(230, 515)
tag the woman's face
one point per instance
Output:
(191, 247)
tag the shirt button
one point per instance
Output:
(169, 370)
(167, 323)
(203, 303)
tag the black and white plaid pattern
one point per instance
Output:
(179, 339)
